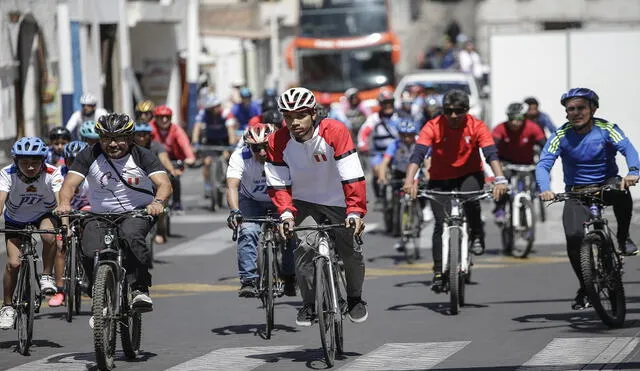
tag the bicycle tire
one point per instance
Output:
(407, 230)
(338, 278)
(131, 330)
(80, 277)
(454, 270)
(70, 279)
(221, 184)
(396, 217)
(26, 297)
(531, 232)
(595, 270)
(387, 211)
(104, 323)
(543, 211)
(506, 232)
(269, 295)
(324, 312)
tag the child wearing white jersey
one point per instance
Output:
(29, 190)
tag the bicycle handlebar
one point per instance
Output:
(110, 217)
(57, 230)
(587, 194)
(520, 168)
(328, 227)
(475, 195)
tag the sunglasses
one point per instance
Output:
(576, 109)
(456, 110)
(258, 147)
(116, 138)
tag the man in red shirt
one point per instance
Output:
(454, 140)
(176, 143)
(516, 139)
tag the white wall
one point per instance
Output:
(605, 61)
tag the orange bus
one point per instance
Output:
(342, 44)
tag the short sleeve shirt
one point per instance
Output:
(27, 202)
(517, 147)
(156, 148)
(108, 192)
(253, 182)
(455, 152)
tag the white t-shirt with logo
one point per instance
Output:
(26, 203)
(81, 197)
(253, 183)
(108, 192)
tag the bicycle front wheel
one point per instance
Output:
(104, 317)
(521, 247)
(268, 274)
(70, 279)
(325, 311)
(455, 282)
(602, 280)
(24, 301)
(130, 327)
(409, 233)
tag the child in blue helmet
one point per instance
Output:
(88, 132)
(29, 188)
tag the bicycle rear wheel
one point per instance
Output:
(104, 322)
(602, 280)
(70, 279)
(454, 270)
(325, 311)
(521, 247)
(130, 327)
(268, 292)
(80, 277)
(338, 278)
(24, 301)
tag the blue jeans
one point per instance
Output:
(249, 240)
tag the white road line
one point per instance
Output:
(236, 359)
(62, 362)
(406, 356)
(578, 352)
(207, 244)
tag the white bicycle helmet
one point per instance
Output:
(258, 133)
(89, 99)
(296, 99)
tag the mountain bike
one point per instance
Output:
(456, 257)
(112, 310)
(218, 173)
(270, 285)
(330, 287)
(410, 227)
(518, 231)
(392, 191)
(74, 277)
(600, 261)
(27, 296)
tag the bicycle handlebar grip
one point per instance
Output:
(235, 234)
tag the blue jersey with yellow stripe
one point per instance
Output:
(586, 158)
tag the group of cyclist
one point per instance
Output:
(293, 160)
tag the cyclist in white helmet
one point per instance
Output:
(313, 174)
(88, 112)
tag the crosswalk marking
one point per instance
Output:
(62, 362)
(208, 244)
(406, 356)
(237, 359)
(577, 352)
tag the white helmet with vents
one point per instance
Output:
(258, 133)
(88, 99)
(296, 99)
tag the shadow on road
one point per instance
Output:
(577, 366)
(441, 308)
(313, 358)
(34, 343)
(63, 315)
(397, 259)
(581, 320)
(413, 284)
(253, 329)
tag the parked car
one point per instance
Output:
(443, 81)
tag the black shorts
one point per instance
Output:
(19, 226)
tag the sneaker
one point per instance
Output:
(141, 301)
(47, 285)
(427, 214)
(399, 246)
(437, 284)
(7, 317)
(478, 246)
(628, 248)
(498, 216)
(289, 285)
(357, 310)
(247, 290)
(581, 301)
(91, 322)
(306, 315)
(56, 300)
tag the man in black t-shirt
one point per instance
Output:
(106, 166)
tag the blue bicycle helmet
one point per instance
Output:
(245, 93)
(406, 126)
(29, 146)
(142, 127)
(88, 130)
(72, 149)
(585, 93)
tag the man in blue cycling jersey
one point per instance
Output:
(588, 147)
(245, 110)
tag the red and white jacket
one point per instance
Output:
(324, 170)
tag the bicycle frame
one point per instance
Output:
(520, 185)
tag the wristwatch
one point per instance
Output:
(159, 200)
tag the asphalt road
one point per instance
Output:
(518, 316)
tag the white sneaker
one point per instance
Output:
(47, 285)
(7, 317)
(427, 214)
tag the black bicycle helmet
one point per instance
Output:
(59, 132)
(272, 117)
(516, 110)
(115, 124)
(269, 104)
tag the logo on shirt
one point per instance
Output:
(32, 189)
(320, 156)
(133, 180)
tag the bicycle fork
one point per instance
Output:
(516, 218)
(464, 240)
